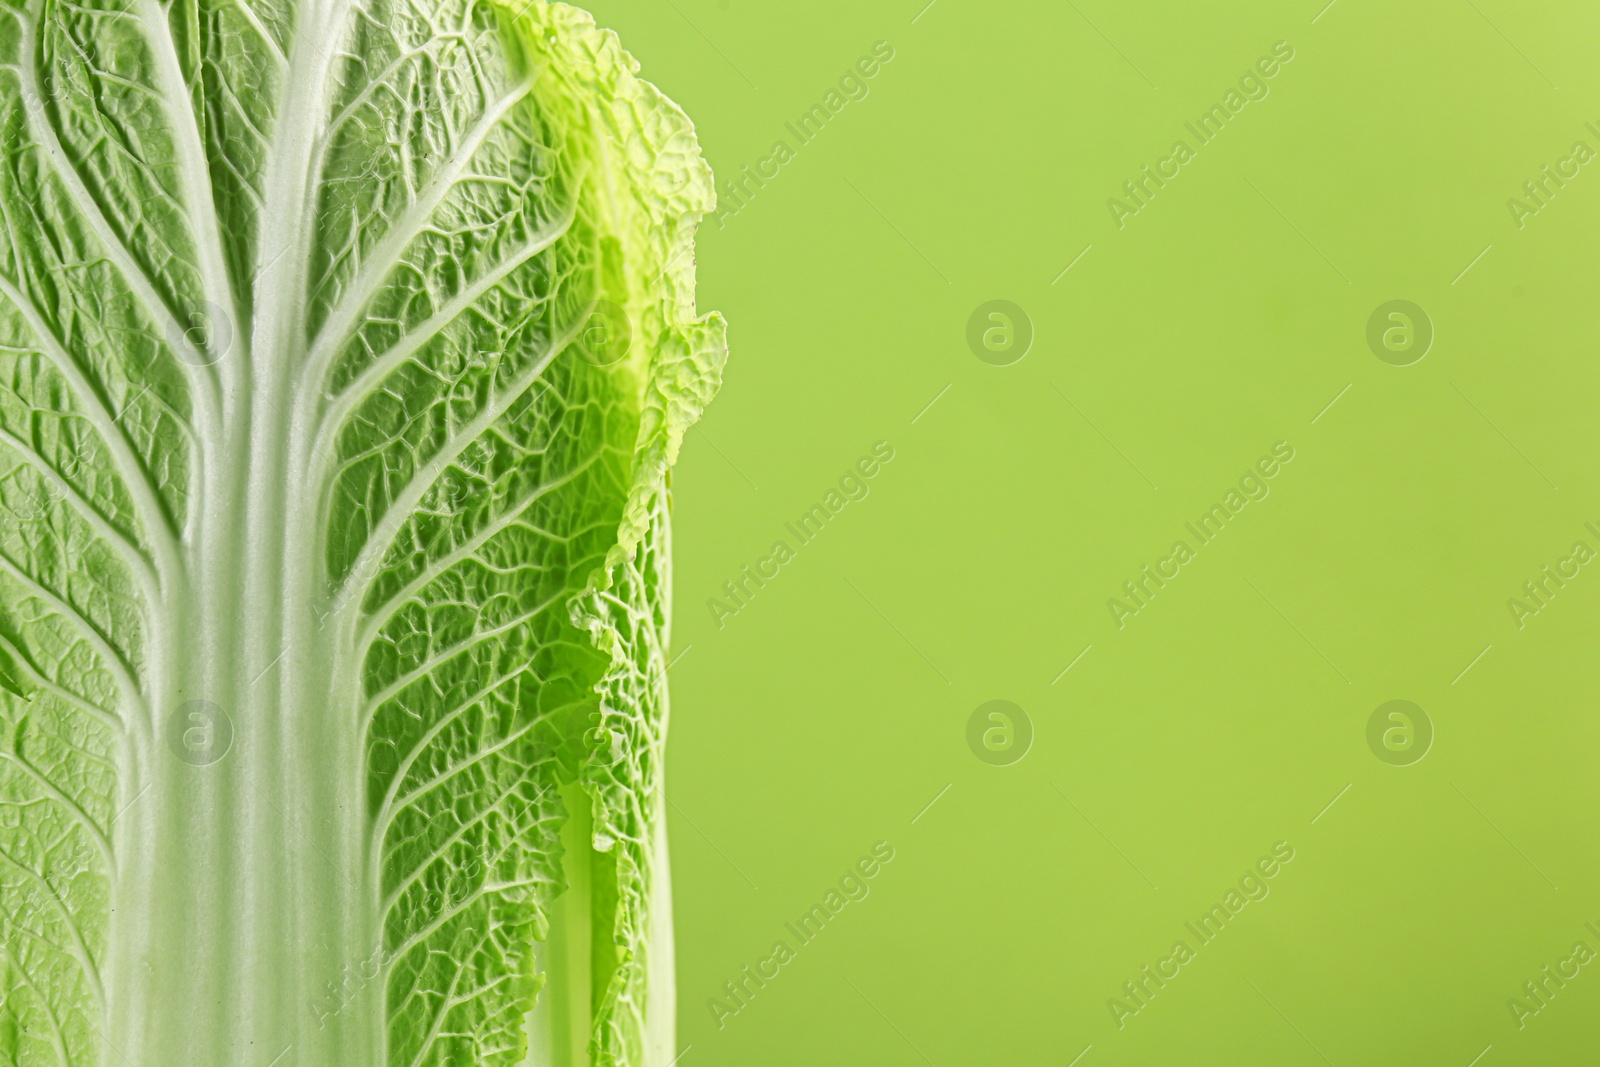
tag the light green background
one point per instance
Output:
(1228, 714)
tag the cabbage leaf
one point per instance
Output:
(345, 346)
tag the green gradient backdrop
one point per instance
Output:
(1225, 717)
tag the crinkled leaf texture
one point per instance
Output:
(345, 346)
